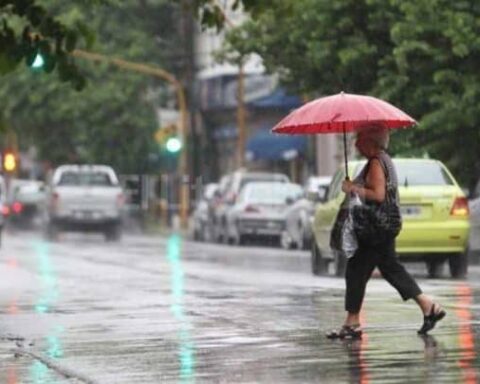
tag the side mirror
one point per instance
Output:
(289, 200)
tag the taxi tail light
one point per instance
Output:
(17, 207)
(120, 200)
(251, 209)
(5, 210)
(460, 207)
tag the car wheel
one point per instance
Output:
(218, 237)
(434, 268)
(285, 241)
(340, 264)
(196, 235)
(458, 263)
(113, 232)
(239, 239)
(206, 233)
(306, 242)
(318, 263)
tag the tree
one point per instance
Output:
(29, 30)
(113, 119)
(418, 54)
(433, 73)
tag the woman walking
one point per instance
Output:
(371, 186)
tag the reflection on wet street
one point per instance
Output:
(154, 310)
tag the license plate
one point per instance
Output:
(410, 210)
(83, 214)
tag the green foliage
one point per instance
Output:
(421, 55)
(29, 29)
(113, 119)
(211, 13)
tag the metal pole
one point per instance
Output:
(241, 120)
(241, 116)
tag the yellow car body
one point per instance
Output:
(434, 213)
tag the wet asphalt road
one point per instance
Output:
(155, 310)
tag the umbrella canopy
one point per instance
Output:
(342, 113)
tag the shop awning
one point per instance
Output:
(267, 146)
(278, 99)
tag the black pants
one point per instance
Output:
(361, 266)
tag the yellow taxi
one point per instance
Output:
(434, 212)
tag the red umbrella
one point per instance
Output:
(342, 113)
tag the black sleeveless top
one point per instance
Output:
(391, 193)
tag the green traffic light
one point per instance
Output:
(39, 62)
(173, 145)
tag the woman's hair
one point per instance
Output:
(378, 134)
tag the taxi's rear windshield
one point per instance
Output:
(421, 174)
(100, 179)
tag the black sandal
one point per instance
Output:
(431, 320)
(346, 332)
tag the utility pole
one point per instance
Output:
(241, 110)
(241, 115)
(182, 105)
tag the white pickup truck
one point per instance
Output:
(85, 198)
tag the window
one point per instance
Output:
(99, 179)
(271, 193)
(417, 173)
(335, 185)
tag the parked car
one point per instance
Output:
(85, 198)
(316, 187)
(299, 216)
(435, 218)
(229, 192)
(26, 200)
(201, 229)
(260, 210)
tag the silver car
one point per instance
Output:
(201, 229)
(227, 196)
(299, 216)
(260, 210)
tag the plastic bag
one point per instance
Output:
(349, 238)
(343, 237)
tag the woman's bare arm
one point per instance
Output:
(375, 183)
(374, 189)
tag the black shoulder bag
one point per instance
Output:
(375, 222)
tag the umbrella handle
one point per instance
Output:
(345, 152)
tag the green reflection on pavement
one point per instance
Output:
(186, 351)
(47, 278)
(40, 373)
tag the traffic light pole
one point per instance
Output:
(182, 105)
